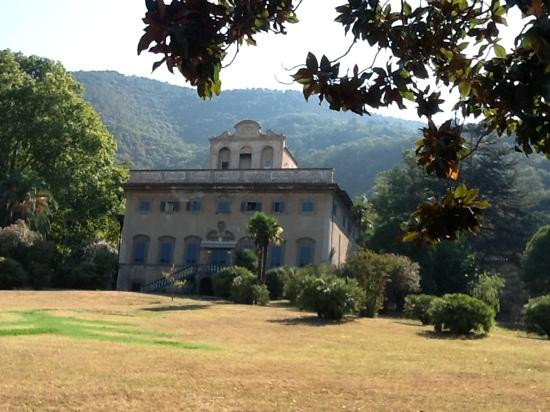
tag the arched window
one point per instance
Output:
(245, 158)
(191, 253)
(139, 249)
(267, 157)
(276, 255)
(224, 157)
(166, 250)
(305, 249)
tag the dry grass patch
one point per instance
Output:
(269, 358)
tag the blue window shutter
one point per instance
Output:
(243, 206)
(162, 206)
(139, 252)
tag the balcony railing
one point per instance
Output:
(198, 176)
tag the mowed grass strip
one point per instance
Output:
(271, 358)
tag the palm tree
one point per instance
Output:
(24, 198)
(265, 230)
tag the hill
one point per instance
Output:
(159, 125)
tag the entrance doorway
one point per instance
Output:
(220, 257)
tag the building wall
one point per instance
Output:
(343, 232)
(316, 225)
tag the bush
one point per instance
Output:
(246, 289)
(275, 282)
(537, 315)
(224, 279)
(461, 314)
(536, 263)
(488, 289)
(15, 238)
(12, 274)
(372, 272)
(404, 279)
(417, 307)
(246, 258)
(293, 283)
(329, 296)
(41, 263)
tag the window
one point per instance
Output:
(305, 249)
(169, 206)
(139, 252)
(223, 206)
(144, 205)
(278, 207)
(166, 250)
(251, 206)
(276, 255)
(192, 250)
(245, 158)
(224, 156)
(308, 206)
(193, 206)
(267, 157)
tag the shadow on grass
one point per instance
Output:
(449, 336)
(285, 304)
(534, 337)
(410, 323)
(176, 308)
(310, 321)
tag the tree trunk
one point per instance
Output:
(264, 262)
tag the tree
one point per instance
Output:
(47, 129)
(536, 263)
(453, 44)
(265, 230)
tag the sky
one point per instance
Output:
(103, 35)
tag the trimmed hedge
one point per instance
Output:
(537, 315)
(461, 314)
(330, 297)
(246, 289)
(12, 274)
(417, 307)
(224, 279)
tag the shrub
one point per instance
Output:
(461, 314)
(15, 239)
(246, 258)
(293, 284)
(12, 274)
(536, 263)
(246, 289)
(488, 289)
(40, 259)
(329, 296)
(537, 315)
(404, 278)
(275, 282)
(417, 307)
(224, 279)
(372, 272)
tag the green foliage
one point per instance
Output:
(537, 315)
(275, 282)
(97, 269)
(247, 290)
(224, 279)
(293, 283)
(441, 43)
(41, 262)
(372, 272)
(488, 288)
(12, 274)
(417, 307)
(331, 297)
(49, 131)
(461, 314)
(265, 230)
(404, 279)
(15, 239)
(536, 262)
(246, 258)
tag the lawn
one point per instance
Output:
(116, 350)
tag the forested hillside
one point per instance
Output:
(165, 126)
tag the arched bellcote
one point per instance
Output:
(247, 128)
